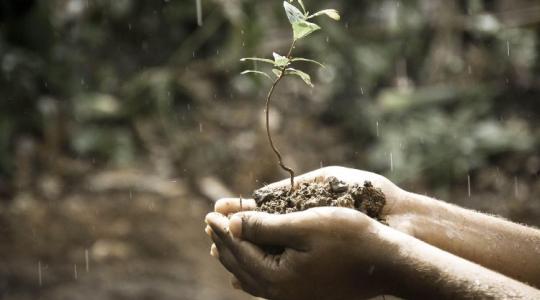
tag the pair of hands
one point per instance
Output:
(329, 253)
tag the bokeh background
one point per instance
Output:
(122, 121)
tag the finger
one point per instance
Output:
(249, 282)
(249, 257)
(233, 205)
(218, 223)
(214, 252)
(260, 228)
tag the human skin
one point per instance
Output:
(492, 242)
(338, 253)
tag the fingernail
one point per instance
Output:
(214, 251)
(235, 226)
(208, 230)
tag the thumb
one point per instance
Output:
(260, 228)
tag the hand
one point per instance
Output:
(328, 253)
(395, 197)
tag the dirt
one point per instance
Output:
(330, 192)
(115, 234)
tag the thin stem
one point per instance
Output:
(268, 99)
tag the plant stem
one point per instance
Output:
(268, 99)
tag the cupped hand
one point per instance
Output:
(394, 195)
(328, 253)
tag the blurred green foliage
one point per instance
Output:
(443, 87)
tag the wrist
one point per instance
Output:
(393, 269)
(379, 257)
(401, 209)
(409, 270)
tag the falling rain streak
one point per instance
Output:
(516, 192)
(86, 260)
(40, 280)
(199, 12)
(469, 185)
(75, 275)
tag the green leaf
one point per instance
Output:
(256, 72)
(303, 28)
(308, 60)
(293, 14)
(258, 59)
(277, 72)
(301, 4)
(331, 13)
(279, 60)
(305, 77)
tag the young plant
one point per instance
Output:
(282, 65)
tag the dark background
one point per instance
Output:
(121, 121)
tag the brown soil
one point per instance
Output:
(330, 192)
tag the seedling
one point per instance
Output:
(282, 65)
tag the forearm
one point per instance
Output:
(419, 270)
(503, 246)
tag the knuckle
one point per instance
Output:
(256, 226)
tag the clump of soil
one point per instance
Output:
(331, 192)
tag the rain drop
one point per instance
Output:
(469, 185)
(86, 260)
(199, 12)
(516, 191)
(40, 278)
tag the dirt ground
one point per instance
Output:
(118, 235)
